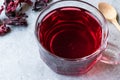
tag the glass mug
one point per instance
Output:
(72, 35)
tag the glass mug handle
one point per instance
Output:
(111, 54)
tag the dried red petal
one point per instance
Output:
(1, 9)
(39, 5)
(4, 30)
(19, 20)
(12, 6)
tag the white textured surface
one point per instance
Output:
(20, 60)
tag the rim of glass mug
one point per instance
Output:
(75, 3)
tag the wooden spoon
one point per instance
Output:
(109, 13)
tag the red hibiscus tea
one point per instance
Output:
(70, 32)
(68, 37)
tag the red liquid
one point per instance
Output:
(70, 32)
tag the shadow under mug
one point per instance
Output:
(69, 66)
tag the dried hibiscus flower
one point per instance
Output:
(4, 29)
(16, 18)
(11, 6)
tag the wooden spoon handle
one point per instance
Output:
(116, 24)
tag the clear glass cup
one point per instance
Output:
(75, 66)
